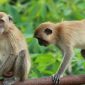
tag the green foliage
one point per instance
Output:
(28, 14)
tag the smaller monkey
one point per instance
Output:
(14, 55)
(67, 35)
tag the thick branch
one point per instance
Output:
(68, 80)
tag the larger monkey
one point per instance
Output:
(66, 35)
(14, 55)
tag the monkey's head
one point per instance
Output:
(5, 21)
(46, 33)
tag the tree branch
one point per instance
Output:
(68, 80)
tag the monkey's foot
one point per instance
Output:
(9, 81)
(55, 79)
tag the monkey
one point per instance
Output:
(66, 35)
(14, 54)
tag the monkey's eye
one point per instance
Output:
(48, 31)
(10, 18)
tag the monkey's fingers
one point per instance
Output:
(56, 79)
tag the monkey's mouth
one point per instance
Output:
(1, 26)
(42, 42)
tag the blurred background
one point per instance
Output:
(28, 14)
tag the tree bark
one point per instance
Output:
(68, 80)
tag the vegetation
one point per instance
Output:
(28, 14)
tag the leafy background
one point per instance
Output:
(28, 14)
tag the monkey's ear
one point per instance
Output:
(48, 31)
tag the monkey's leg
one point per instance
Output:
(9, 78)
(83, 53)
(68, 52)
(69, 69)
(21, 66)
(19, 70)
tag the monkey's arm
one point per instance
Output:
(68, 52)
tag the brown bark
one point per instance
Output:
(68, 80)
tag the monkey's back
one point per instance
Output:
(73, 32)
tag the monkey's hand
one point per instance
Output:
(56, 79)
